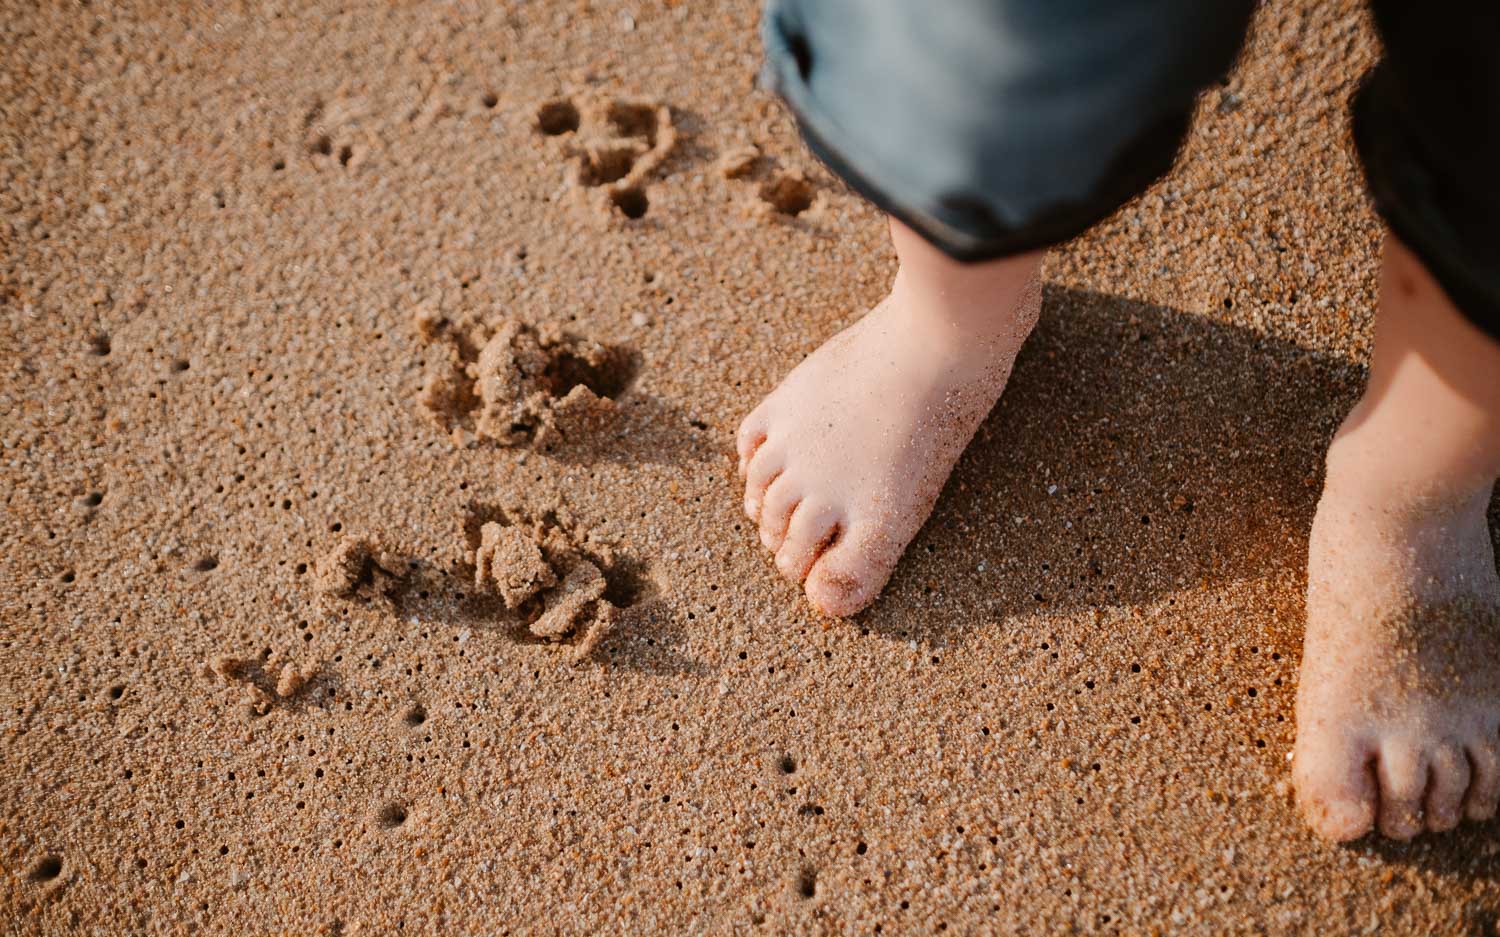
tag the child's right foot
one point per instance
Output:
(1398, 705)
(845, 459)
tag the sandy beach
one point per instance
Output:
(373, 553)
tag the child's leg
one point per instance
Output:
(844, 461)
(1398, 709)
(991, 130)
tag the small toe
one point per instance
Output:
(1484, 778)
(1336, 789)
(811, 528)
(1446, 787)
(1402, 770)
(846, 578)
(776, 510)
(762, 471)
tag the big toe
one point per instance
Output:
(1335, 788)
(849, 574)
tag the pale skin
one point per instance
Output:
(1398, 707)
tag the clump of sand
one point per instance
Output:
(553, 579)
(535, 385)
(356, 566)
(519, 385)
(509, 559)
(620, 142)
(253, 676)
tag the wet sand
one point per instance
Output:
(252, 679)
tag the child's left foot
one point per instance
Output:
(1398, 707)
(843, 461)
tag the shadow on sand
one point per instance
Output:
(1137, 451)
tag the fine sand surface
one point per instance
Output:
(330, 606)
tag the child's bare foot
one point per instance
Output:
(1398, 706)
(845, 459)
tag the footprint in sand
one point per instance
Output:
(564, 583)
(614, 146)
(778, 192)
(515, 384)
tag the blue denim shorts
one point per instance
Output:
(993, 127)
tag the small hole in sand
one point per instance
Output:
(181, 364)
(392, 815)
(627, 583)
(67, 577)
(117, 691)
(206, 564)
(93, 499)
(607, 378)
(278, 166)
(807, 883)
(557, 117)
(631, 202)
(99, 345)
(605, 164)
(787, 764)
(321, 146)
(632, 120)
(46, 869)
(346, 153)
(861, 849)
(415, 716)
(789, 194)
(489, 99)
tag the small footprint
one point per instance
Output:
(520, 385)
(614, 148)
(779, 192)
(565, 583)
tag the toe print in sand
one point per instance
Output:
(613, 148)
(774, 192)
(514, 384)
(538, 576)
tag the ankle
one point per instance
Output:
(1400, 485)
(964, 314)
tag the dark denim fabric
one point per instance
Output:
(996, 126)
(1427, 126)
